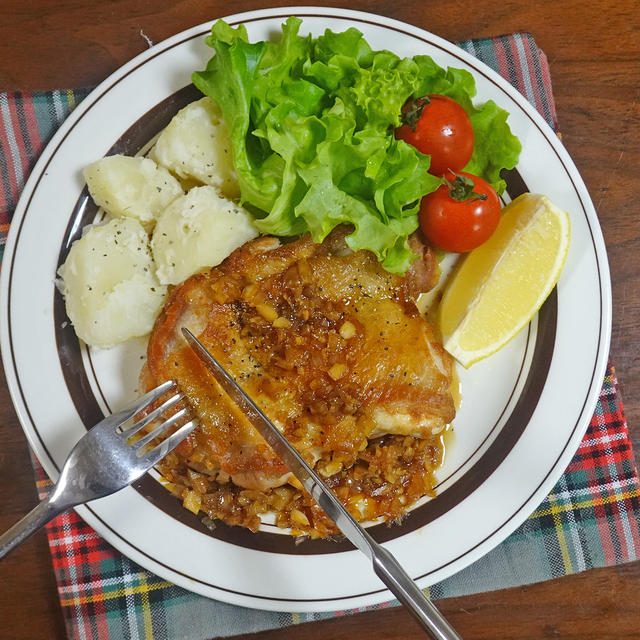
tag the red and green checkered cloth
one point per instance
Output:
(590, 519)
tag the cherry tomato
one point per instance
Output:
(438, 126)
(461, 214)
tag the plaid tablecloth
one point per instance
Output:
(590, 519)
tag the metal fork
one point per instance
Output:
(103, 461)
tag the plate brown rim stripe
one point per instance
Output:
(84, 399)
(328, 16)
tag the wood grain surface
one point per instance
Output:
(593, 49)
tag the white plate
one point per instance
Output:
(523, 411)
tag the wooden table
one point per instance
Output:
(594, 54)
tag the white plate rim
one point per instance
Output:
(511, 523)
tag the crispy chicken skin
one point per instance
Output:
(329, 344)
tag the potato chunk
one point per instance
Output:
(133, 187)
(196, 144)
(109, 284)
(198, 230)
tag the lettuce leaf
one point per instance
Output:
(311, 123)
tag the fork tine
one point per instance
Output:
(146, 400)
(157, 453)
(152, 416)
(161, 428)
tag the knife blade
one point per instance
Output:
(385, 565)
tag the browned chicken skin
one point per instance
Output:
(334, 350)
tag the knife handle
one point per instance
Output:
(389, 570)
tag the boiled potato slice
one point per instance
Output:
(109, 284)
(196, 144)
(198, 230)
(134, 187)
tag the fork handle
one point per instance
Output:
(36, 518)
(389, 570)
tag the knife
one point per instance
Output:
(386, 567)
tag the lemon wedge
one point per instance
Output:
(500, 286)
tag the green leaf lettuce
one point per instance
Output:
(311, 123)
